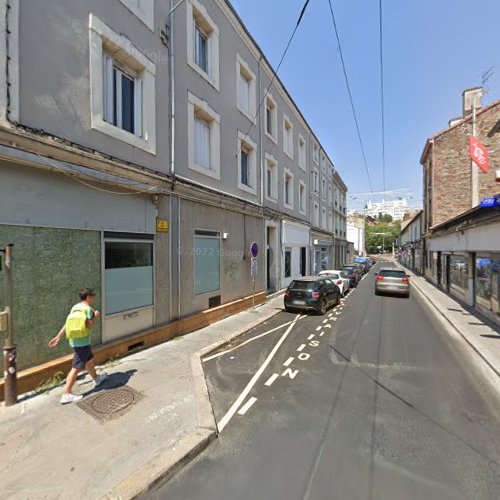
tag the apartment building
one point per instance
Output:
(135, 158)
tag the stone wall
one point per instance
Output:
(50, 267)
(452, 166)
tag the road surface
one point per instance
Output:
(372, 401)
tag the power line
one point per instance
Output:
(382, 100)
(350, 96)
(275, 72)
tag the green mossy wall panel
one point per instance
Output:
(50, 267)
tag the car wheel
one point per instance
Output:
(323, 307)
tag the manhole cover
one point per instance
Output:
(110, 404)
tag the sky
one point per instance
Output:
(433, 50)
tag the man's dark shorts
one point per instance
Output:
(82, 355)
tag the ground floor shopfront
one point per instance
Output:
(411, 256)
(466, 263)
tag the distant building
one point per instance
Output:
(395, 208)
(356, 233)
(410, 240)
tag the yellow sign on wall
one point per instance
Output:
(161, 226)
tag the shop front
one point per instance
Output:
(322, 252)
(295, 246)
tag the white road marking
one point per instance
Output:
(301, 347)
(227, 417)
(334, 319)
(321, 334)
(325, 320)
(318, 328)
(310, 336)
(329, 326)
(291, 373)
(248, 341)
(314, 343)
(337, 312)
(271, 379)
(247, 406)
(304, 356)
(288, 361)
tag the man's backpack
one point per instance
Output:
(76, 323)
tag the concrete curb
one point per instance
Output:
(435, 308)
(169, 461)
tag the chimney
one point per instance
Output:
(454, 121)
(471, 98)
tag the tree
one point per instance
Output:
(375, 236)
(385, 217)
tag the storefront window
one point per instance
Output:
(206, 262)
(459, 271)
(129, 275)
(488, 282)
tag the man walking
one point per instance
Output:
(77, 328)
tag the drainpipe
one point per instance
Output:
(262, 173)
(170, 24)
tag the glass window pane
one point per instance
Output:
(244, 169)
(128, 275)
(200, 49)
(207, 264)
(288, 263)
(244, 93)
(201, 143)
(128, 85)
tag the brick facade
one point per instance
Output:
(447, 166)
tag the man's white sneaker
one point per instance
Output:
(100, 379)
(70, 398)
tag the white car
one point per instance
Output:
(341, 279)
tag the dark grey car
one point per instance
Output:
(392, 281)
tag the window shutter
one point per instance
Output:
(138, 98)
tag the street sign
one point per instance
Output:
(254, 268)
(479, 154)
(254, 250)
(161, 226)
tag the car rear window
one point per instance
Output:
(389, 273)
(333, 276)
(344, 274)
(303, 285)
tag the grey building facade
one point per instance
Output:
(136, 158)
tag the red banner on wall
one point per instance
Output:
(479, 154)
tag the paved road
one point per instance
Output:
(377, 403)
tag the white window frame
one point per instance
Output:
(197, 106)
(245, 142)
(315, 182)
(143, 10)
(302, 192)
(197, 12)
(302, 152)
(103, 39)
(242, 68)
(274, 118)
(287, 145)
(287, 173)
(271, 162)
(316, 153)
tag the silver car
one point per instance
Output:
(392, 281)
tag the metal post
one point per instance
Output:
(9, 350)
(474, 167)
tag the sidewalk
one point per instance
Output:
(481, 335)
(54, 451)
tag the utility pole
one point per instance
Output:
(6, 324)
(474, 167)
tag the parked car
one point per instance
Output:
(363, 269)
(340, 278)
(392, 281)
(364, 260)
(354, 275)
(311, 293)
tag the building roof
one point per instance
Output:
(406, 223)
(431, 139)
(473, 216)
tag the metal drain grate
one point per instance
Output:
(110, 404)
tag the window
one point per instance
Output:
(288, 189)
(203, 137)
(271, 118)
(316, 214)
(302, 153)
(202, 43)
(122, 82)
(302, 197)
(246, 89)
(329, 195)
(323, 188)
(316, 181)
(128, 275)
(488, 284)
(247, 164)
(288, 262)
(323, 218)
(330, 222)
(271, 178)
(143, 9)
(287, 136)
(206, 262)
(316, 154)
(323, 163)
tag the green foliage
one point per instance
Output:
(374, 236)
(385, 217)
